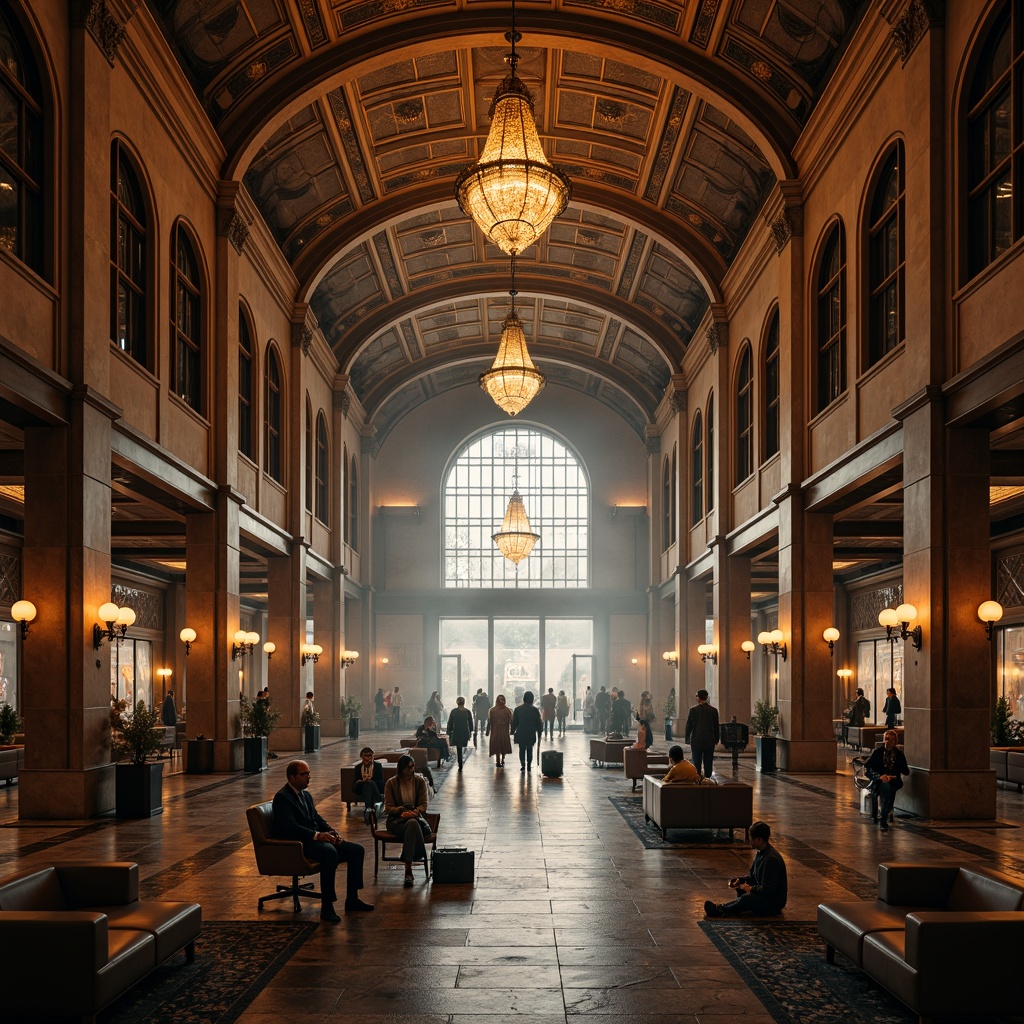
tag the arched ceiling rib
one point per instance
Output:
(348, 121)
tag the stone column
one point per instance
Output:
(691, 633)
(731, 600)
(286, 623)
(328, 615)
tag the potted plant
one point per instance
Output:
(258, 720)
(765, 722)
(352, 709)
(138, 782)
(311, 728)
(1004, 729)
(668, 712)
(10, 723)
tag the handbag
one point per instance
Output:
(452, 865)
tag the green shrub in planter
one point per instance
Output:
(134, 737)
(10, 723)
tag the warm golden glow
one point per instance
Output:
(513, 380)
(512, 192)
(516, 538)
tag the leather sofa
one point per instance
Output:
(870, 735)
(89, 917)
(12, 761)
(638, 763)
(348, 778)
(604, 752)
(1008, 764)
(938, 938)
(678, 805)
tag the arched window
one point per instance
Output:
(770, 376)
(273, 417)
(186, 322)
(553, 484)
(666, 504)
(246, 416)
(310, 455)
(323, 472)
(831, 319)
(745, 417)
(353, 504)
(673, 491)
(697, 470)
(128, 260)
(345, 535)
(21, 148)
(886, 258)
(994, 142)
(709, 456)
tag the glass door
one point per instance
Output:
(450, 685)
(582, 673)
(517, 658)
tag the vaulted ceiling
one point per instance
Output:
(349, 120)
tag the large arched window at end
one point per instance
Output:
(353, 504)
(554, 487)
(995, 142)
(697, 470)
(273, 417)
(323, 471)
(129, 260)
(21, 148)
(745, 416)
(830, 326)
(246, 412)
(770, 376)
(309, 455)
(187, 333)
(709, 456)
(886, 258)
(666, 505)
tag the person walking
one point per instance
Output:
(169, 713)
(561, 711)
(702, 733)
(379, 708)
(396, 708)
(527, 729)
(891, 708)
(460, 728)
(481, 706)
(499, 726)
(602, 707)
(434, 708)
(587, 708)
(548, 706)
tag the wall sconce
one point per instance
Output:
(634, 661)
(244, 644)
(830, 636)
(897, 622)
(990, 612)
(772, 643)
(117, 622)
(188, 637)
(348, 658)
(25, 611)
(708, 652)
(164, 675)
(268, 649)
(844, 674)
(310, 652)
(385, 661)
(671, 659)
(748, 647)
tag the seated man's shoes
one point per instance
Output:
(356, 904)
(712, 909)
(408, 882)
(883, 826)
(327, 913)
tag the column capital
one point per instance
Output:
(231, 224)
(677, 390)
(99, 19)
(718, 329)
(784, 214)
(340, 397)
(652, 439)
(913, 24)
(302, 331)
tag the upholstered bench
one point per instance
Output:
(931, 927)
(605, 752)
(86, 923)
(12, 762)
(638, 763)
(678, 805)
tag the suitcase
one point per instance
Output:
(452, 865)
(551, 763)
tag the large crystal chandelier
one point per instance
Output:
(516, 538)
(513, 192)
(513, 381)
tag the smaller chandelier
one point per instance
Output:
(512, 193)
(516, 538)
(513, 381)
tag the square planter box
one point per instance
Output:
(138, 790)
(311, 735)
(255, 753)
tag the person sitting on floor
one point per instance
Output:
(768, 886)
(426, 736)
(681, 770)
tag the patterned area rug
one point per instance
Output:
(783, 964)
(234, 962)
(632, 810)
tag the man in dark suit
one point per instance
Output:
(296, 817)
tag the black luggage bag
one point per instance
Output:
(452, 864)
(551, 763)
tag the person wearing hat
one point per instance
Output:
(702, 733)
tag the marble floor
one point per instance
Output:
(571, 919)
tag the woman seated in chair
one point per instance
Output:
(405, 804)
(644, 735)
(426, 736)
